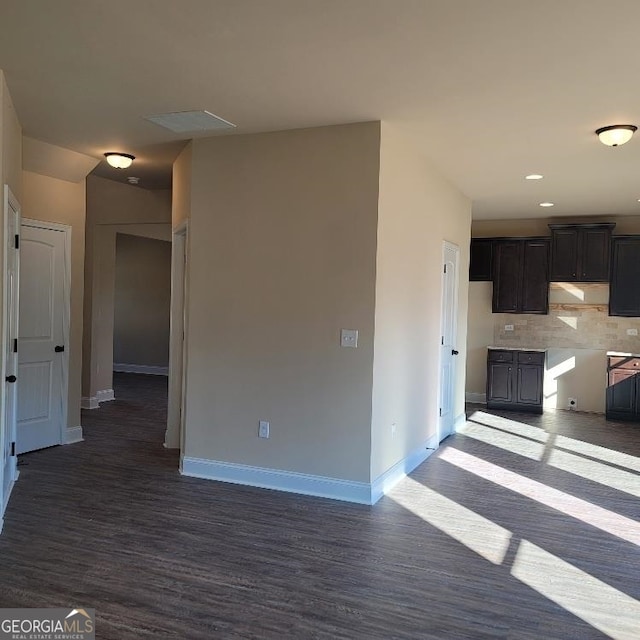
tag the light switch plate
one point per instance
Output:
(349, 338)
(263, 429)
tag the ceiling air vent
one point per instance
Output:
(190, 121)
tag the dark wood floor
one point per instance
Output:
(451, 553)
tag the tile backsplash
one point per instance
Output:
(586, 326)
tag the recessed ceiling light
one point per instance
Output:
(534, 176)
(546, 204)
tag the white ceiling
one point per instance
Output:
(491, 90)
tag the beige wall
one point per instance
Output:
(576, 356)
(418, 210)
(142, 301)
(181, 187)
(112, 207)
(53, 200)
(282, 256)
(479, 337)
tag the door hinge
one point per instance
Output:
(445, 268)
(13, 449)
(441, 412)
(15, 345)
(17, 241)
(442, 340)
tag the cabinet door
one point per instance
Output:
(529, 385)
(507, 276)
(621, 391)
(564, 255)
(499, 382)
(624, 295)
(535, 283)
(481, 259)
(594, 254)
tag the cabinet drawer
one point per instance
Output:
(623, 362)
(500, 356)
(530, 357)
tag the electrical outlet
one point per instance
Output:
(394, 428)
(508, 327)
(632, 332)
(263, 429)
(573, 404)
(349, 338)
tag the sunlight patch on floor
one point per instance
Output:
(596, 472)
(602, 453)
(507, 441)
(597, 603)
(475, 532)
(603, 519)
(519, 428)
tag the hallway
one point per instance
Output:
(521, 528)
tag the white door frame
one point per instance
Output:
(66, 315)
(174, 436)
(8, 431)
(446, 245)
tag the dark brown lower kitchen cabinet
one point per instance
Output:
(520, 275)
(515, 379)
(623, 388)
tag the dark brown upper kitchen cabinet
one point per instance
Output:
(580, 252)
(520, 269)
(481, 259)
(624, 294)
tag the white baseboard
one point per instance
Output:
(73, 434)
(106, 395)
(90, 402)
(390, 478)
(140, 368)
(476, 398)
(93, 402)
(275, 479)
(320, 486)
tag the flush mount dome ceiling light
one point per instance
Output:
(119, 160)
(616, 134)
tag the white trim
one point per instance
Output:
(10, 331)
(105, 395)
(90, 402)
(147, 369)
(174, 434)
(308, 485)
(390, 478)
(459, 422)
(73, 435)
(476, 398)
(66, 310)
(289, 481)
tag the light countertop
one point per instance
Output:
(517, 349)
(622, 354)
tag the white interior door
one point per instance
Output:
(11, 269)
(41, 394)
(448, 351)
